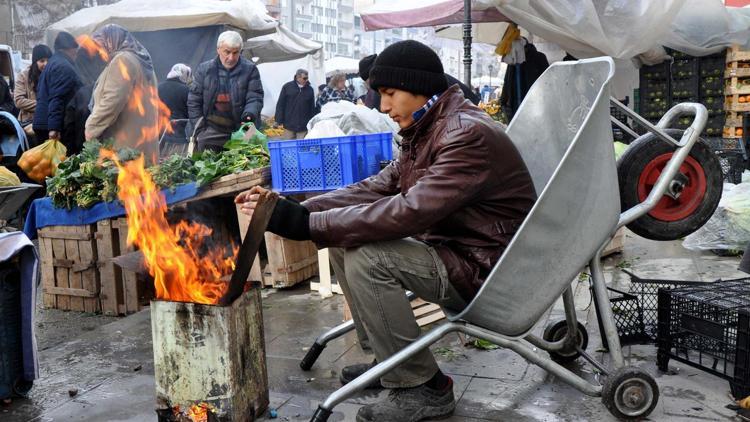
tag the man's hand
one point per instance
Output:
(289, 219)
(249, 199)
(53, 134)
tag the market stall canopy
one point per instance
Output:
(587, 28)
(341, 64)
(249, 16)
(628, 29)
(417, 13)
(280, 46)
(483, 33)
(173, 31)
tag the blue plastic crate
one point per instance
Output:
(316, 165)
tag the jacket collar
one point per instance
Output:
(451, 99)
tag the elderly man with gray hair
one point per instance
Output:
(226, 92)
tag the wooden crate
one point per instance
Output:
(122, 292)
(235, 183)
(424, 312)
(69, 268)
(616, 244)
(289, 261)
(732, 123)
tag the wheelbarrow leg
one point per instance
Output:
(604, 306)
(320, 343)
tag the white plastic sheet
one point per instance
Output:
(628, 28)
(356, 119)
(729, 227)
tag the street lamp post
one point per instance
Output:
(467, 42)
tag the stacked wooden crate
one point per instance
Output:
(77, 270)
(737, 91)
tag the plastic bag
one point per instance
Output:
(8, 178)
(249, 133)
(356, 120)
(324, 129)
(729, 227)
(41, 161)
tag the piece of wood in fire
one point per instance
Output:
(250, 245)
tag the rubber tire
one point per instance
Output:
(556, 331)
(629, 169)
(619, 377)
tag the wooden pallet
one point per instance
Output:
(235, 183)
(736, 54)
(617, 243)
(69, 268)
(424, 312)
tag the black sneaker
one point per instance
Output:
(349, 373)
(410, 405)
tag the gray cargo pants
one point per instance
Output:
(374, 279)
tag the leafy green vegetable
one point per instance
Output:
(84, 179)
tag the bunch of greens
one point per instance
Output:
(84, 179)
(238, 155)
(173, 171)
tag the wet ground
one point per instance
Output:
(108, 362)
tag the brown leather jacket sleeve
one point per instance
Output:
(383, 184)
(453, 180)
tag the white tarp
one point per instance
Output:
(341, 64)
(283, 45)
(626, 29)
(147, 15)
(275, 75)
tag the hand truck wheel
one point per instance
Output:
(691, 198)
(630, 393)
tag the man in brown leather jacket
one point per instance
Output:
(434, 223)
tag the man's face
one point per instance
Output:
(229, 56)
(301, 78)
(400, 105)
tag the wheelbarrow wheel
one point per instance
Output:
(557, 331)
(692, 198)
(630, 393)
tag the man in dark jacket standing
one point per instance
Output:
(58, 83)
(296, 106)
(226, 92)
(434, 223)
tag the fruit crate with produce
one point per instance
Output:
(737, 90)
(654, 91)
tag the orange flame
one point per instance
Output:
(196, 412)
(144, 100)
(87, 43)
(176, 257)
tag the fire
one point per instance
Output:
(196, 412)
(87, 43)
(176, 256)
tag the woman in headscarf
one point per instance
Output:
(24, 95)
(174, 93)
(125, 101)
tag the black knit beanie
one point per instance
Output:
(64, 41)
(410, 66)
(365, 65)
(39, 52)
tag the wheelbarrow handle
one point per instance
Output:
(689, 138)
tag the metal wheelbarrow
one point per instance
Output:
(563, 131)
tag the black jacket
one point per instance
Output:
(57, 85)
(296, 106)
(6, 99)
(246, 91)
(76, 113)
(530, 70)
(174, 94)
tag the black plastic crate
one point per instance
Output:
(635, 311)
(708, 327)
(732, 163)
(685, 69)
